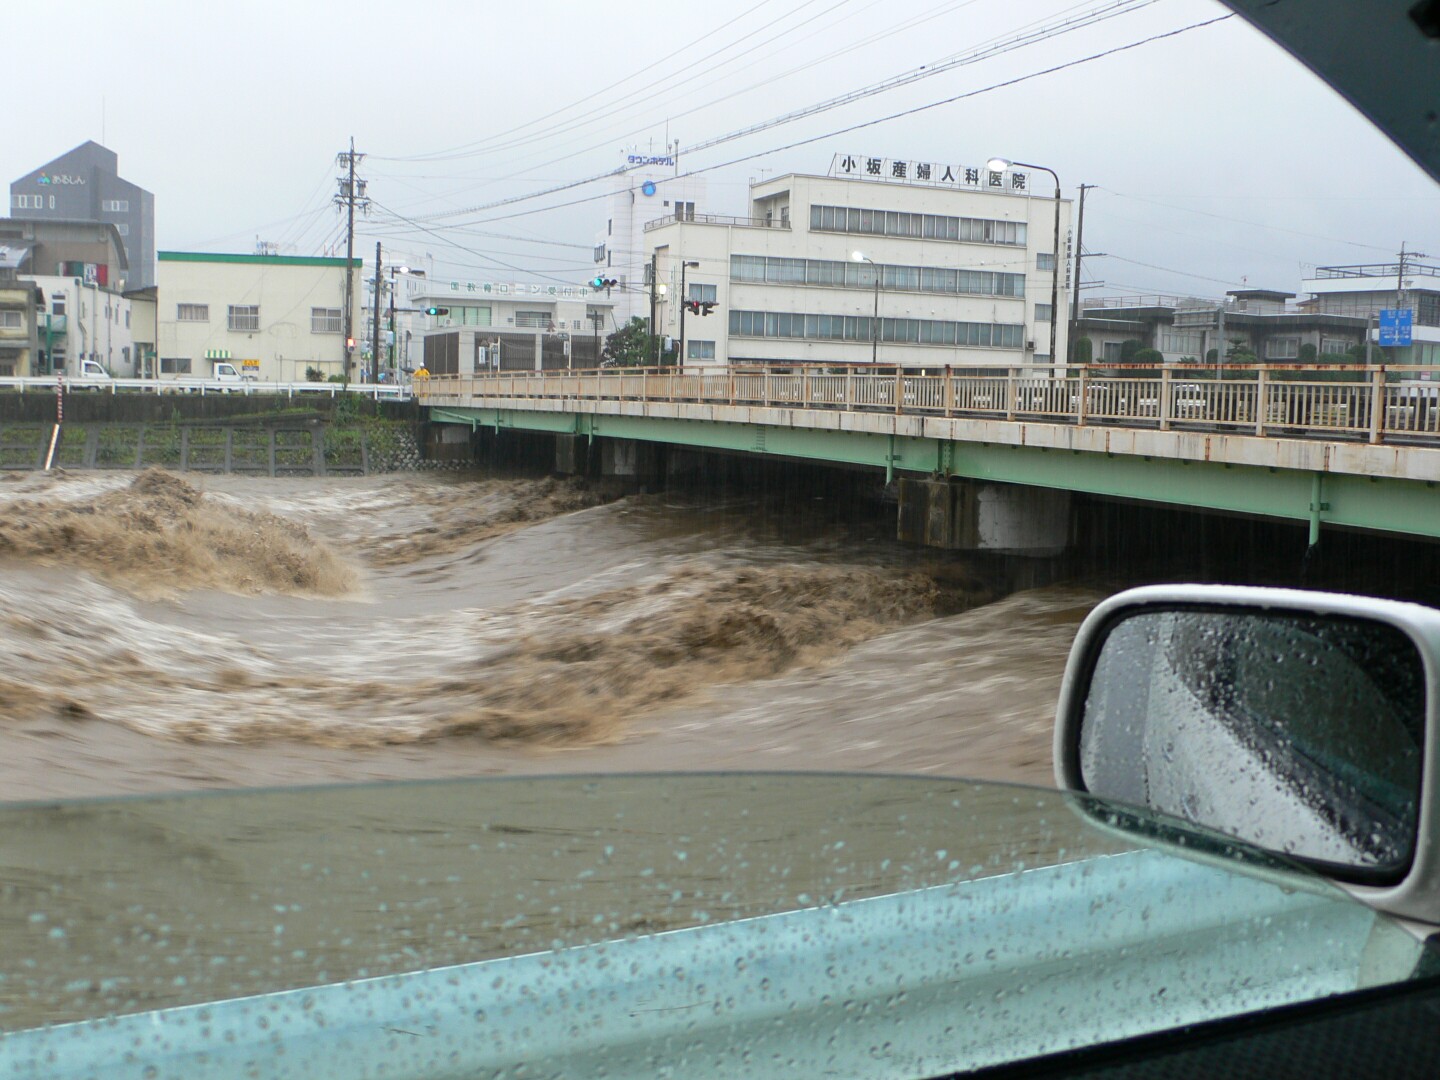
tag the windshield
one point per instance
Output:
(868, 904)
(509, 392)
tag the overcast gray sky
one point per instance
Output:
(1219, 160)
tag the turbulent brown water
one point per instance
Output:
(165, 632)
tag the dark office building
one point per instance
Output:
(83, 185)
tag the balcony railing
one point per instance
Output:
(721, 219)
(1377, 270)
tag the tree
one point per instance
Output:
(1084, 350)
(1308, 353)
(1128, 349)
(634, 346)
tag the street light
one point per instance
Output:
(393, 271)
(680, 357)
(999, 164)
(860, 256)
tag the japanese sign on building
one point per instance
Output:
(930, 173)
(518, 291)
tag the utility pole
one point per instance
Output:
(375, 321)
(1079, 255)
(351, 194)
(654, 285)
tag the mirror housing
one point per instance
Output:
(1302, 723)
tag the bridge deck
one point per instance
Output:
(1286, 442)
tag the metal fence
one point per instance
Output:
(1314, 401)
(204, 386)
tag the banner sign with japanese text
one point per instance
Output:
(930, 173)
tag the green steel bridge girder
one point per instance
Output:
(1410, 507)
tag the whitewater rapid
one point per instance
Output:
(166, 632)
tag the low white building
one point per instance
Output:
(957, 262)
(272, 316)
(516, 326)
(1368, 290)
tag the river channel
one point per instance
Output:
(170, 632)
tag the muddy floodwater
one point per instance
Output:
(165, 633)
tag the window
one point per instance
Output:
(610, 227)
(1335, 346)
(1044, 260)
(1043, 312)
(245, 317)
(193, 312)
(700, 350)
(326, 320)
(174, 365)
(115, 206)
(127, 318)
(1110, 352)
(926, 226)
(702, 293)
(122, 228)
(540, 319)
(1180, 341)
(11, 320)
(1282, 348)
(57, 306)
(772, 324)
(853, 275)
(684, 211)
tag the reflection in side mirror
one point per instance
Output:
(1298, 732)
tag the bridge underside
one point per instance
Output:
(1385, 503)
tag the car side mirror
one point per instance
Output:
(1301, 723)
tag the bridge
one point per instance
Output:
(1312, 443)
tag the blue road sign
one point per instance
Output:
(1395, 326)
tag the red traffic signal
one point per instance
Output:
(692, 306)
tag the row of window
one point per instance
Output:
(861, 275)
(849, 219)
(115, 206)
(31, 202)
(245, 318)
(781, 324)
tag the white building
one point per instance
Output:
(1369, 289)
(525, 325)
(273, 316)
(87, 321)
(649, 190)
(964, 260)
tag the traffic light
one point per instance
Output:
(707, 306)
(437, 311)
(692, 306)
(600, 281)
(700, 307)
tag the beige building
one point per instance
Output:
(272, 316)
(959, 273)
(19, 317)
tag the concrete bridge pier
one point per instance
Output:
(637, 464)
(974, 515)
(572, 455)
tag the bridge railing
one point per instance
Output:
(1322, 401)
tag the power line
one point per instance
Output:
(1045, 32)
(870, 123)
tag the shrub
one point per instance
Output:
(1128, 349)
(1084, 350)
(1148, 356)
(1308, 353)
